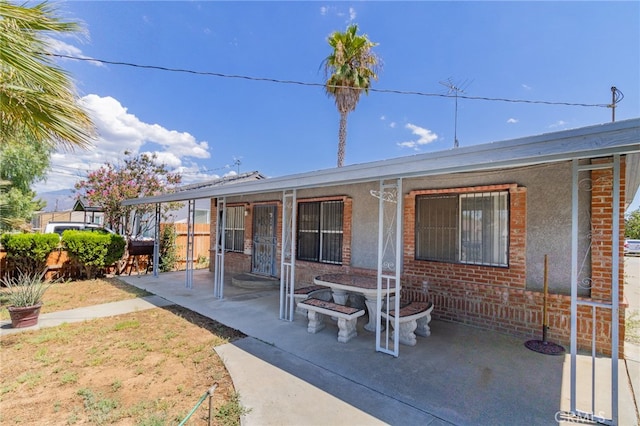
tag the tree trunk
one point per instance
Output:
(342, 138)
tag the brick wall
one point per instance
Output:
(236, 263)
(496, 298)
(488, 297)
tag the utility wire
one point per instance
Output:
(301, 83)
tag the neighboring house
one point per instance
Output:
(466, 228)
(202, 207)
(81, 212)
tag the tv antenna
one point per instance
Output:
(237, 162)
(455, 89)
(616, 97)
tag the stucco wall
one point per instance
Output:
(548, 216)
(548, 222)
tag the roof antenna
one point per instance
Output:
(237, 162)
(455, 89)
(616, 97)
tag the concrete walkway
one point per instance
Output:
(89, 313)
(286, 376)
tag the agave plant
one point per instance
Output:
(25, 289)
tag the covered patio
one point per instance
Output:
(458, 375)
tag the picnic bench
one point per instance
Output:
(311, 291)
(414, 318)
(347, 317)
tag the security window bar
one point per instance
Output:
(234, 229)
(437, 228)
(466, 228)
(484, 225)
(320, 231)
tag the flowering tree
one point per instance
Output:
(136, 176)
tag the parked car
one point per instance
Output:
(60, 227)
(631, 247)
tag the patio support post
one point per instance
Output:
(390, 251)
(221, 217)
(288, 257)
(615, 287)
(191, 218)
(593, 412)
(156, 241)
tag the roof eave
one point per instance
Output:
(588, 142)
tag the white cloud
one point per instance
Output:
(59, 47)
(334, 10)
(119, 130)
(512, 120)
(382, 117)
(392, 124)
(559, 123)
(526, 87)
(425, 136)
(352, 13)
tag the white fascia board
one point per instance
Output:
(622, 137)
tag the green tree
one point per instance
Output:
(350, 69)
(168, 249)
(136, 176)
(632, 224)
(37, 98)
(22, 163)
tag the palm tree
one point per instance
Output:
(36, 97)
(350, 69)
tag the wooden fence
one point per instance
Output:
(201, 244)
(60, 265)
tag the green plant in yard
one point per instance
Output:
(93, 250)
(168, 249)
(28, 252)
(229, 413)
(101, 410)
(25, 289)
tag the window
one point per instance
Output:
(466, 228)
(201, 216)
(234, 229)
(320, 231)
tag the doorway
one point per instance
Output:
(264, 240)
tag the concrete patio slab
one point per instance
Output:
(459, 375)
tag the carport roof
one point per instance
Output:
(622, 137)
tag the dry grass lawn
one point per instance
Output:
(144, 368)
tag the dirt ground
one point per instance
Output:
(144, 368)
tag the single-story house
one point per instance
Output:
(469, 229)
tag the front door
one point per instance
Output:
(264, 240)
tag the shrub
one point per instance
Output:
(93, 250)
(168, 250)
(28, 252)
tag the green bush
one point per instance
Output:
(93, 250)
(168, 249)
(28, 252)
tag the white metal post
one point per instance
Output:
(191, 214)
(613, 306)
(218, 280)
(389, 264)
(288, 256)
(156, 241)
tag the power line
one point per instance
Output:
(302, 83)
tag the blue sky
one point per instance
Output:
(202, 125)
